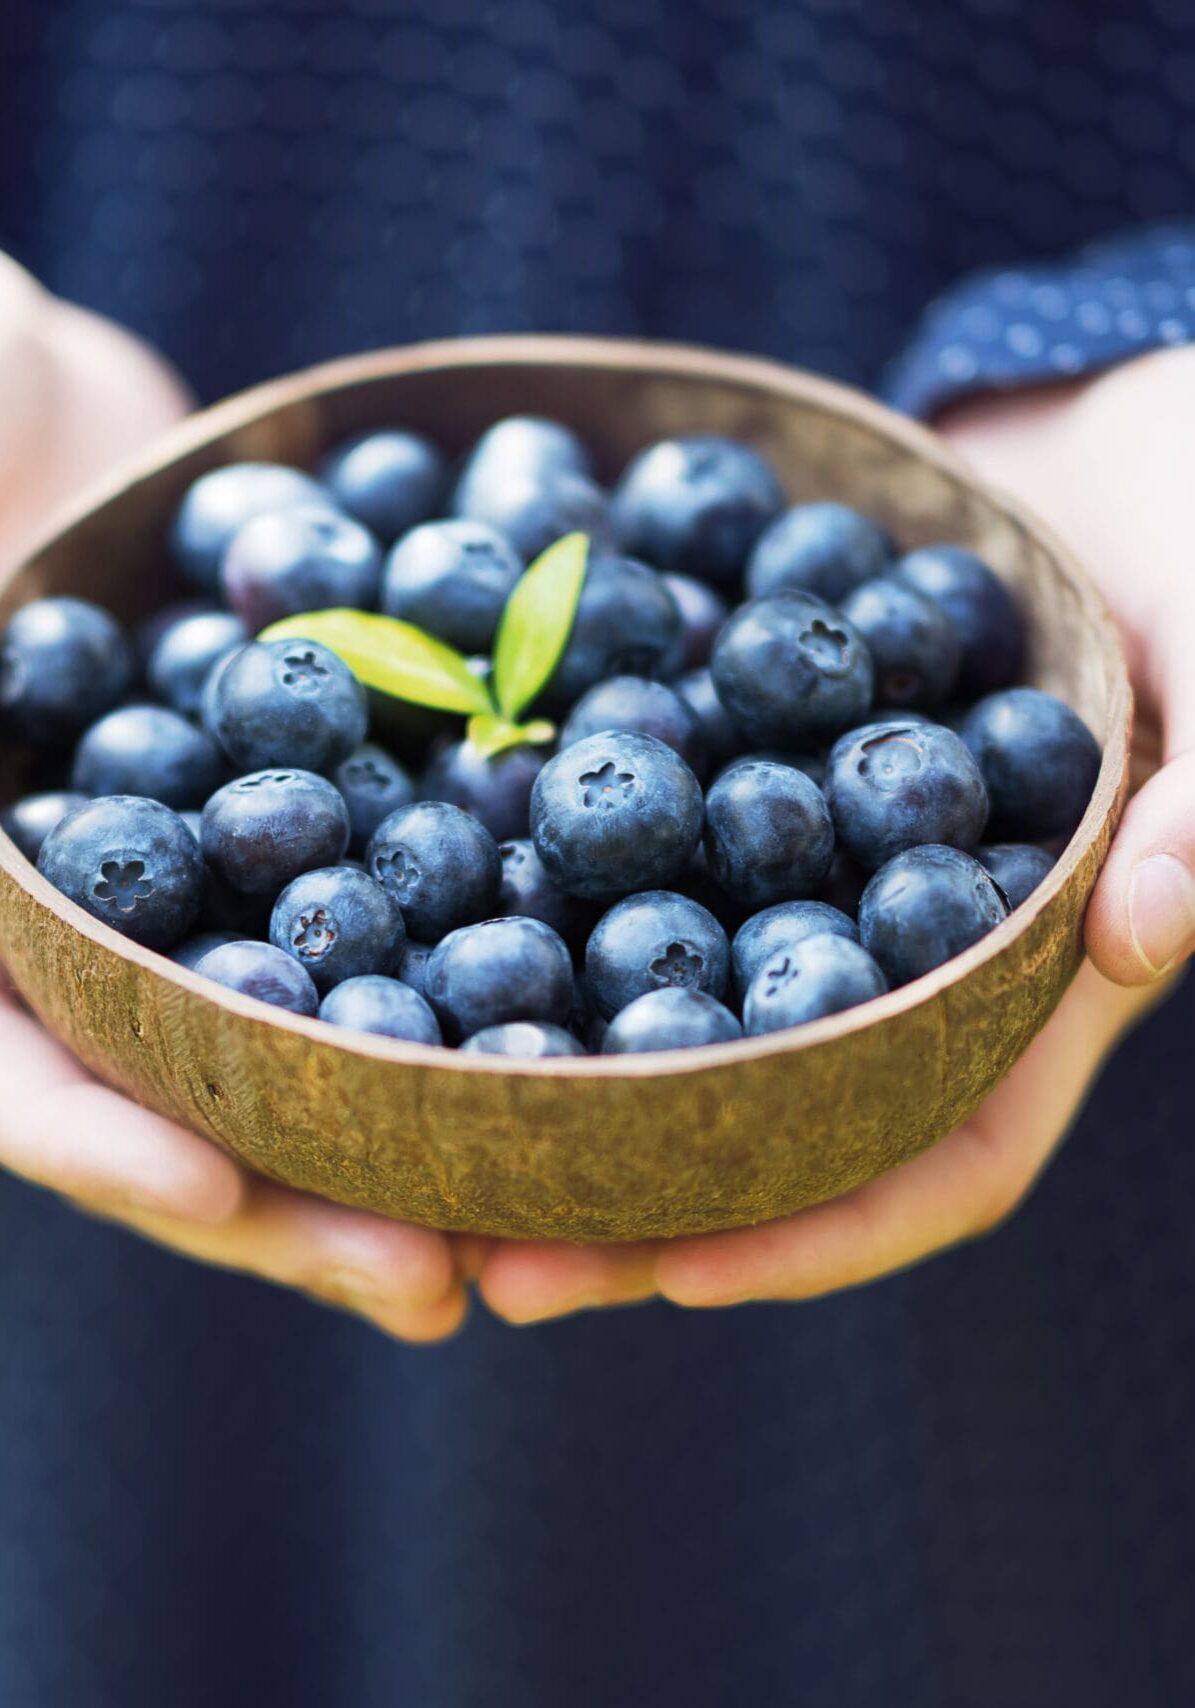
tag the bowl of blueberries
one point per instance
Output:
(554, 787)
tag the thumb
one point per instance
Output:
(1141, 921)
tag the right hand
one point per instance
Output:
(79, 394)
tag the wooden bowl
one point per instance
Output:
(603, 1148)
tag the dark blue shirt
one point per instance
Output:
(971, 1484)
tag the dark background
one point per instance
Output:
(969, 1485)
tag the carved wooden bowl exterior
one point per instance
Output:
(602, 1148)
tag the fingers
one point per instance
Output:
(60, 1128)
(470, 1252)
(527, 1282)
(399, 1277)
(1141, 922)
(961, 1187)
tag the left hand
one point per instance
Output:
(1105, 462)
(78, 394)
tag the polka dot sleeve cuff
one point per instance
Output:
(1000, 331)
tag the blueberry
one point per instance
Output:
(63, 663)
(388, 480)
(230, 911)
(529, 892)
(844, 885)
(720, 740)
(192, 949)
(132, 863)
(287, 703)
(791, 672)
(893, 786)
(584, 1021)
(702, 614)
(826, 549)
(527, 446)
(670, 1019)
(220, 502)
(903, 715)
(338, 923)
(407, 730)
(151, 749)
(768, 835)
(636, 703)
(614, 813)
(1038, 759)
(441, 866)
(30, 820)
(411, 964)
(820, 975)
(924, 907)
(452, 579)
(497, 791)
(310, 557)
(150, 630)
(373, 785)
(532, 511)
(699, 884)
(783, 927)
(373, 1003)
(990, 628)
(811, 764)
(1018, 868)
(696, 505)
(208, 694)
(186, 652)
(264, 829)
(262, 972)
(524, 1039)
(652, 940)
(627, 624)
(505, 969)
(914, 646)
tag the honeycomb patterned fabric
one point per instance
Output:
(1003, 329)
(972, 1485)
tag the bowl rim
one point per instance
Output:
(645, 357)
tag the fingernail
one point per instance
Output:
(1161, 910)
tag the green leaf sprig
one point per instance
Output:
(401, 660)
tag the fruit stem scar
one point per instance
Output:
(316, 934)
(599, 788)
(302, 670)
(678, 965)
(123, 883)
(828, 644)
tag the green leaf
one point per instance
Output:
(537, 622)
(392, 656)
(491, 735)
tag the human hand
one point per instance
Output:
(1105, 463)
(80, 394)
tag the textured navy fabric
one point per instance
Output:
(972, 1484)
(1012, 327)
